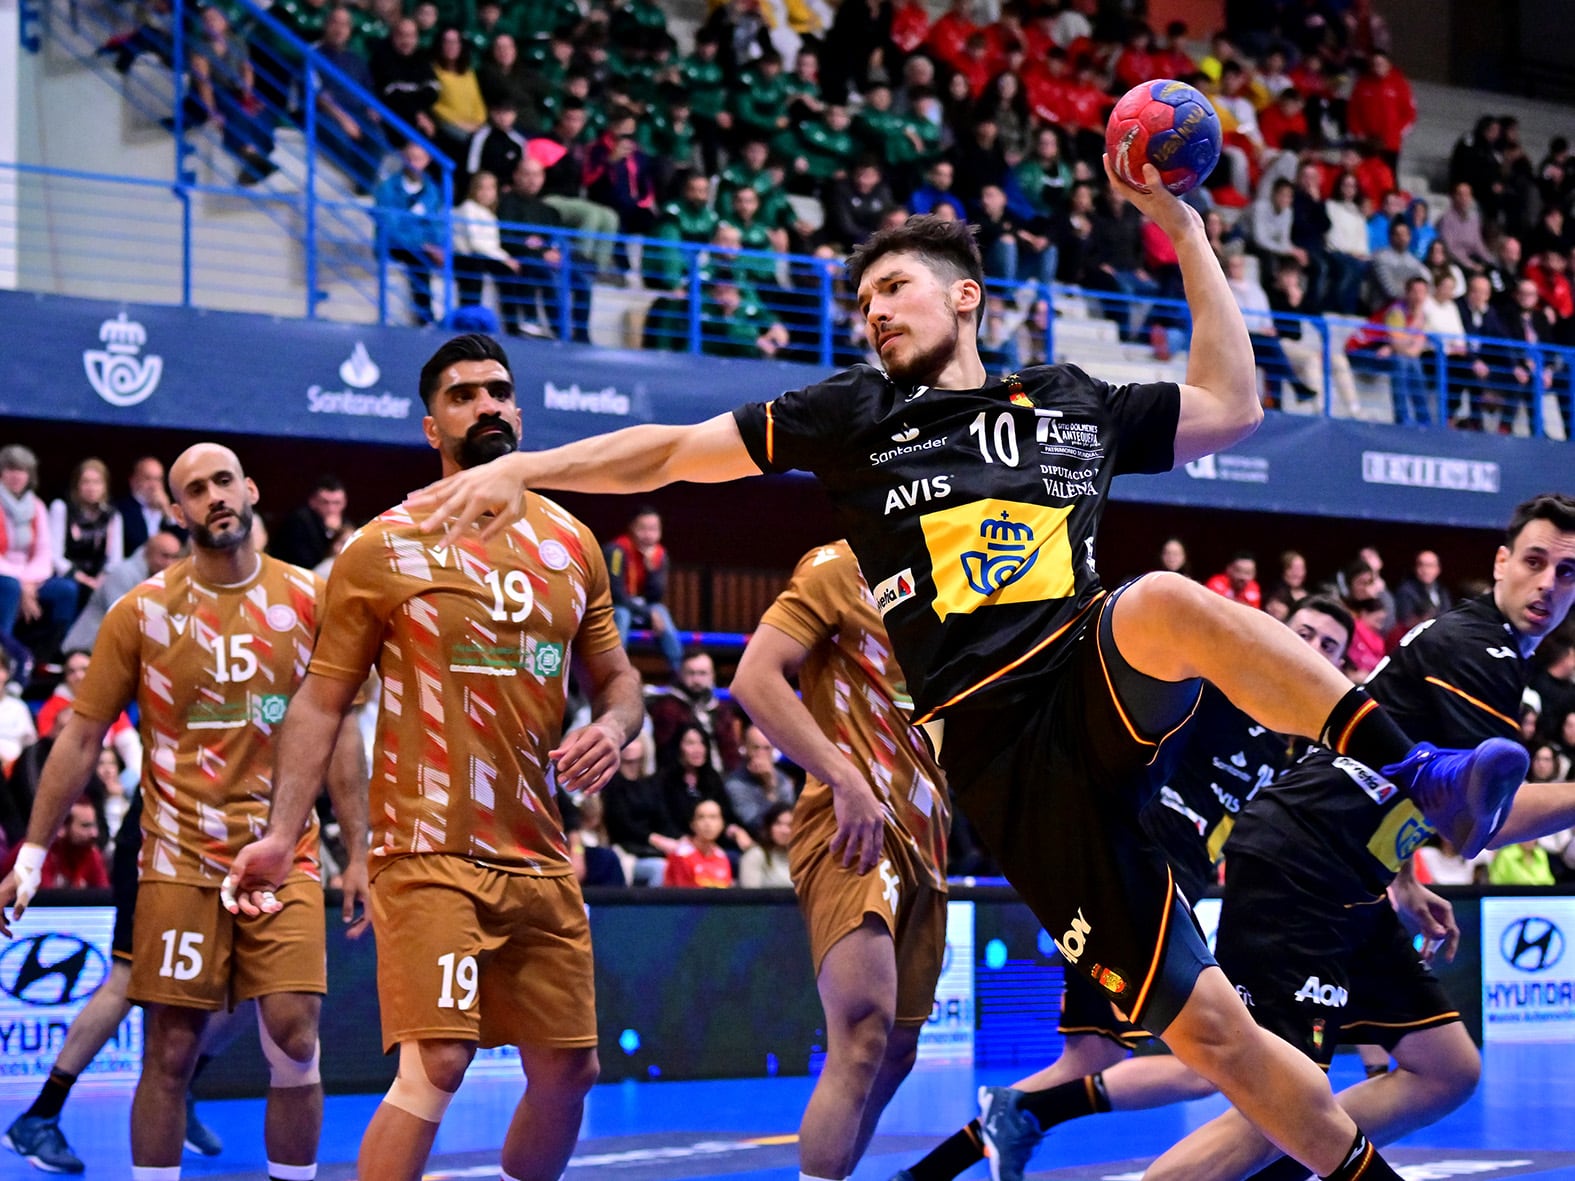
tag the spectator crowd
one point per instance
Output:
(701, 797)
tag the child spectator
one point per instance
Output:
(637, 568)
(699, 860)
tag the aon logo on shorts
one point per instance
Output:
(1072, 943)
(1323, 994)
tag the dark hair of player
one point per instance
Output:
(946, 247)
(1554, 507)
(472, 346)
(1327, 606)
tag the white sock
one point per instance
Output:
(278, 1172)
(149, 1173)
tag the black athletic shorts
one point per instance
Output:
(1319, 972)
(123, 877)
(1053, 781)
(1085, 1008)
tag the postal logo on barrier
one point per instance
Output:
(118, 372)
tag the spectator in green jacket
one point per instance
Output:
(734, 323)
(688, 219)
(820, 150)
(760, 104)
(701, 76)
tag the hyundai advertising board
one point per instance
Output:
(1528, 971)
(54, 960)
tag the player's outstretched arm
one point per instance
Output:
(1539, 810)
(763, 687)
(66, 773)
(305, 747)
(1219, 400)
(636, 459)
(586, 758)
(347, 791)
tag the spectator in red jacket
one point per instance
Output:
(1285, 114)
(699, 860)
(1239, 580)
(950, 33)
(637, 571)
(1381, 108)
(910, 25)
(74, 861)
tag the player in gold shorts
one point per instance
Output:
(869, 841)
(482, 936)
(211, 650)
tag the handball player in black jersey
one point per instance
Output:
(1227, 759)
(1305, 931)
(972, 506)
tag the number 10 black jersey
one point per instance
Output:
(973, 513)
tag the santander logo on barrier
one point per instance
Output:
(117, 372)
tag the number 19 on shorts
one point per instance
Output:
(458, 972)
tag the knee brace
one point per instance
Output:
(284, 1071)
(413, 1091)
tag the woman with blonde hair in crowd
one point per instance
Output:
(85, 530)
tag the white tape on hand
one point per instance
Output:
(227, 893)
(29, 872)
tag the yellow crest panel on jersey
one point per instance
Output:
(992, 552)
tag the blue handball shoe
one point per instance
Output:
(1010, 1133)
(42, 1144)
(1464, 794)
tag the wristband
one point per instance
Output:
(29, 873)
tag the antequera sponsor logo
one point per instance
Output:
(357, 372)
(118, 372)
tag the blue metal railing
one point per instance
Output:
(310, 190)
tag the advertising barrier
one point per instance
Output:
(722, 987)
(56, 957)
(1528, 973)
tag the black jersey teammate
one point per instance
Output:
(1227, 759)
(973, 507)
(1304, 930)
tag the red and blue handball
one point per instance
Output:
(1168, 124)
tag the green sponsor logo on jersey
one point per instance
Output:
(269, 708)
(547, 660)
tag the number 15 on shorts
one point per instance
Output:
(458, 972)
(182, 955)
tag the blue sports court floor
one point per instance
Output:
(1521, 1123)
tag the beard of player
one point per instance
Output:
(924, 365)
(487, 439)
(229, 536)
